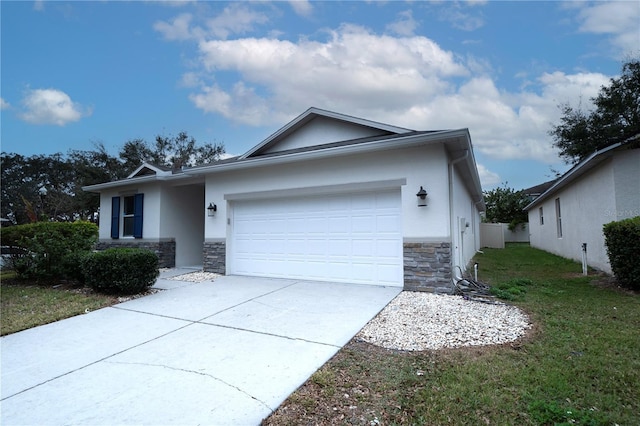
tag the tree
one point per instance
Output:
(169, 151)
(35, 188)
(506, 205)
(49, 187)
(616, 117)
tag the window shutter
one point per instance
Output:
(115, 217)
(137, 215)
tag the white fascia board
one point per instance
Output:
(397, 142)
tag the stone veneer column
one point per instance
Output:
(214, 257)
(427, 266)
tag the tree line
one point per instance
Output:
(49, 187)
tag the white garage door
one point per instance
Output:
(354, 238)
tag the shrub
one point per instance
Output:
(513, 289)
(46, 250)
(622, 239)
(121, 270)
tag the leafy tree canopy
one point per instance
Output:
(616, 117)
(49, 187)
(506, 205)
(169, 151)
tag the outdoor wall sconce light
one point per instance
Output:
(422, 197)
(212, 209)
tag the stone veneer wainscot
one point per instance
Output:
(214, 257)
(166, 250)
(427, 266)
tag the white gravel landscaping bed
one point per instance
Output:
(416, 321)
(196, 277)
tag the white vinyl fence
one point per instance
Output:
(495, 235)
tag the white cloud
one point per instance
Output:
(342, 70)
(234, 19)
(38, 5)
(487, 177)
(51, 106)
(404, 25)
(302, 7)
(619, 19)
(462, 19)
(178, 29)
(4, 104)
(408, 81)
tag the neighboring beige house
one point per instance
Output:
(603, 188)
(327, 197)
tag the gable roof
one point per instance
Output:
(311, 114)
(146, 169)
(583, 167)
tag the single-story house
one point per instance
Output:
(327, 197)
(603, 188)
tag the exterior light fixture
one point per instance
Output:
(212, 209)
(422, 197)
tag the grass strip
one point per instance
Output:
(24, 306)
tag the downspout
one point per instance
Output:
(452, 228)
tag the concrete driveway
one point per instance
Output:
(211, 353)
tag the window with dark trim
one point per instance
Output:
(115, 217)
(558, 218)
(128, 207)
(132, 209)
(541, 216)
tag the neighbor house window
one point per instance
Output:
(558, 218)
(541, 216)
(131, 216)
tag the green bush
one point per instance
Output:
(48, 250)
(622, 239)
(513, 289)
(121, 270)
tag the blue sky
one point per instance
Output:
(76, 73)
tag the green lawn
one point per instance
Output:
(579, 365)
(25, 305)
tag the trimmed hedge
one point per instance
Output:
(121, 270)
(622, 239)
(48, 250)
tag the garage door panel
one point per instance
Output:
(387, 223)
(339, 224)
(387, 249)
(344, 237)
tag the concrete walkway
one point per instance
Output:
(212, 353)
